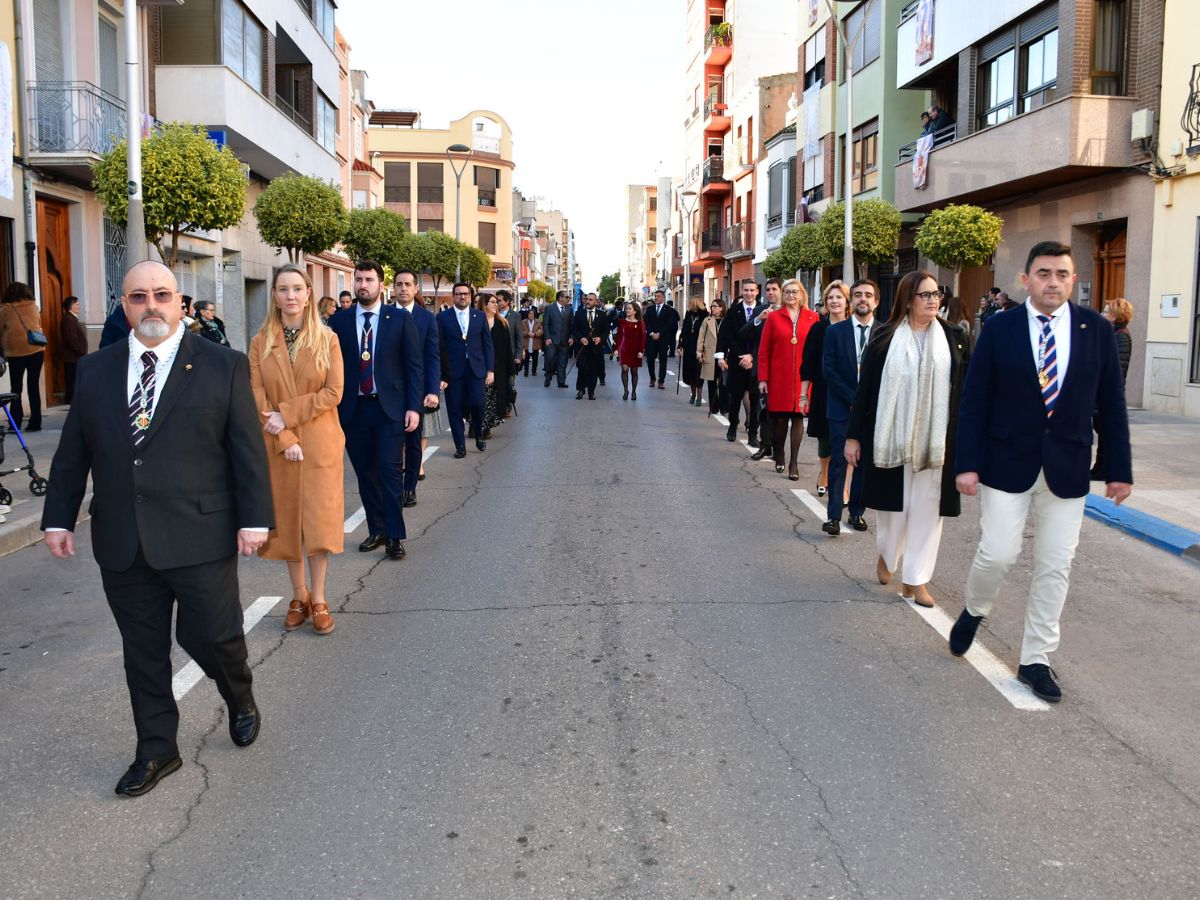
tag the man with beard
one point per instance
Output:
(166, 424)
(589, 328)
(381, 402)
(845, 343)
(405, 292)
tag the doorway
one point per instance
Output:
(54, 281)
(1110, 267)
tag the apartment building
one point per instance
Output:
(641, 208)
(467, 194)
(731, 46)
(561, 243)
(1054, 106)
(1172, 378)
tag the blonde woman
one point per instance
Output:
(296, 373)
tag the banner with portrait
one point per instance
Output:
(920, 165)
(6, 126)
(812, 12)
(924, 31)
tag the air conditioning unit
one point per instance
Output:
(1142, 125)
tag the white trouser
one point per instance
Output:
(916, 532)
(1056, 524)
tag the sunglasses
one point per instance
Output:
(139, 298)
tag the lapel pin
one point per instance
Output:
(188, 367)
(1083, 325)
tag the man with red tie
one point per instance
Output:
(1038, 375)
(382, 401)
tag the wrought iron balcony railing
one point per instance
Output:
(74, 117)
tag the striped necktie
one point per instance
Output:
(142, 404)
(1047, 366)
(366, 365)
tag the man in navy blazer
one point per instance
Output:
(1039, 373)
(468, 365)
(405, 291)
(844, 346)
(381, 401)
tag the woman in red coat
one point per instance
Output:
(780, 353)
(631, 346)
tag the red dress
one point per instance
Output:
(631, 340)
(779, 358)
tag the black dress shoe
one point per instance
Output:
(372, 542)
(562, 386)
(859, 523)
(460, 452)
(731, 434)
(591, 395)
(481, 446)
(759, 453)
(753, 441)
(410, 499)
(832, 527)
(962, 634)
(601, 382)
(141, 777)
(395, 549)
(244, 725)
(1040, 679)
(579, 395)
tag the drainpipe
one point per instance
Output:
(23, 148)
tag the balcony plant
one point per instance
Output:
(188, 184)
(876, 232)
(960, 236)
(720, 34)
(301, 214)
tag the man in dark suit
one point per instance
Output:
(736, 362)
(556, 339)
(166, 424)
(1038, 374)
(845, 344)
(381, 402)
(405, 291)
(588, 331)
(468, 365)
(662, 325)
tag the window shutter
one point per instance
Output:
(1039, 23)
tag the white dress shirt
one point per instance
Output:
(1060, 327)
(165, 352)
(375, 311)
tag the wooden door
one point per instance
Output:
(1110, 270)
(973, 283)
(54, 282)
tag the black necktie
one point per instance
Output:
(862, 341)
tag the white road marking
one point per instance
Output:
(812, 503)
(361, 514)
(721, 419)
(998, 674)
(189, 676)
(746, 444)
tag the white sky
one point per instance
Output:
(592, 91)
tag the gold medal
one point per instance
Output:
(1043, 379)
(366, 356)
(794, 341)
(142, 422)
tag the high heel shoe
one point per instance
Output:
(297, 613)
(793, 472)
(322, 620)
(633, 396)
(625, 396)
(822, 490)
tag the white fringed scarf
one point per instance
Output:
(914, 401)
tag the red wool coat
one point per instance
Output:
(631, 340)
(779, 359)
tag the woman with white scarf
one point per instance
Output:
(902, 431)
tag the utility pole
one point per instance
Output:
(135, 224)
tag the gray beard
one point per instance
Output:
(153, 328)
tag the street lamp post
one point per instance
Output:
(848, 45)
(458, 152)
(687, 201)
(135, 225)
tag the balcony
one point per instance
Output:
(1070, 139)
(259, 132)
(713, 178)
(716, 114)
(487, 199)
(718, 44)
(713, 243)
(303, 122)
(739, 240)
(71, 125)
(941, 137)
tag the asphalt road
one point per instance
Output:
(620, 660)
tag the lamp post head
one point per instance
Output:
(458, 148)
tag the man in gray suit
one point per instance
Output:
(556, 338)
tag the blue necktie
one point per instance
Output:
(1048, 366)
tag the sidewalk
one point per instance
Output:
(1164, 509)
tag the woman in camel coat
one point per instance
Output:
(296, 374)
(706, 355)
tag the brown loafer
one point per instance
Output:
(881, 572)
(322, 620)
(297, 613)
(918, 594)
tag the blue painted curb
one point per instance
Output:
(1143, 526)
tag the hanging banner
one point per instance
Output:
(6, 126)
(920, 168)
(811, 110)
(812, 12)
(924, 31)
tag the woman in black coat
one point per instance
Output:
(495, 395)
(836, 304)
(908, 470)
(689, 335)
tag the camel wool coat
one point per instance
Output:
(309, 495)
(706, 348)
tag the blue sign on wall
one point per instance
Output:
(217, 137)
